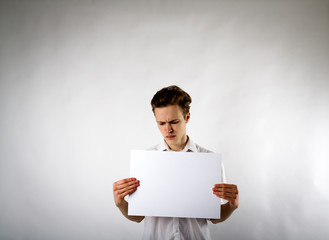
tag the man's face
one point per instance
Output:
(172, 125)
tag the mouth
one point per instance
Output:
(171, 136)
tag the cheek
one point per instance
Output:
(181, 128)
(177, 128)
(161, 128)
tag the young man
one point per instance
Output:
(171, 108)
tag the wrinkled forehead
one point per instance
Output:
(168, 113)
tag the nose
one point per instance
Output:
(169, 128)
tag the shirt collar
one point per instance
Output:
(189, 147)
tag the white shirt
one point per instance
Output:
(167, 228)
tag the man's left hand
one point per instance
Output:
(228, 192)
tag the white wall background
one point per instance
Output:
(76, 81)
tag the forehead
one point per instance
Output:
(168, 113)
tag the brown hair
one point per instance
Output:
(170, 96)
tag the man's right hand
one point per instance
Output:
(123, 188)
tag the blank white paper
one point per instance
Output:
(175, 184)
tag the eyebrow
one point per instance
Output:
(169, 121)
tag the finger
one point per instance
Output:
(126, 180)
(122, 195)
(225, 185)
(225, 188)
(128, 188)
(224, 191)
(229, 193)
(227, 196)
(122, 184)
(126, 185)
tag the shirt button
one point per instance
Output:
(176, 230)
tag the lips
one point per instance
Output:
(171, 136)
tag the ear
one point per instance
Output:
(187, 117)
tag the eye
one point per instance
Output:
(175, 122)
(161, 123)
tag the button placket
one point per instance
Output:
(176, 229)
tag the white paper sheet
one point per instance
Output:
(175, 184)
